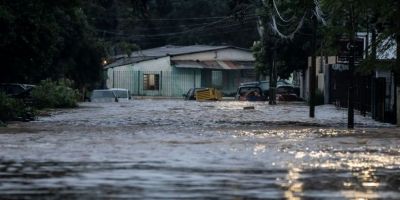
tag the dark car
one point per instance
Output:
(16, 90)
(286, 93)
(191, 93)
(250, 93)
(263, 85)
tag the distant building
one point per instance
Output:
(172, 70)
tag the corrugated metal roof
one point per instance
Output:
(218, 65)
(178, 50)
(128, 60)
(169, 50)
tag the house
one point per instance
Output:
(374, 92)
(172, 70)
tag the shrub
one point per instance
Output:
(14, 109)
(55, 94)
(319, 98)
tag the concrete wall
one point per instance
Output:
(321, 74)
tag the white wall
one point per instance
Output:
(321, 75)
(223, 54)
(159, 64)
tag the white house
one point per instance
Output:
(374, 92)
(173, 70)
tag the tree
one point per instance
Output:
(47, 39)
(282, 50)
(375, 16)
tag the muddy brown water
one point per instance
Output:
(164, 149)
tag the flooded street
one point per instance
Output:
(175, 149)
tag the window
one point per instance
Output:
(151, 81)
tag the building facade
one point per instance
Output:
(172, 70)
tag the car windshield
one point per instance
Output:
(121, 93)
(103, 94)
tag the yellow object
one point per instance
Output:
(208, 94)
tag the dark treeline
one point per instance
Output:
(70, 38)
(47, 39)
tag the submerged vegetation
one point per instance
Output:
(55, 94)
(48, 94)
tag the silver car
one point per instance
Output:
(122, 94)
(100, 96)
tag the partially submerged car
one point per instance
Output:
(250, 93)
(18, 91)
(122, 94)
(263, 85)
(285, 91)
(101, 96)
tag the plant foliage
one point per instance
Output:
(55, 94)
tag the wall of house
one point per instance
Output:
(177, 81)
(321, 73)
(172, 81)
(159, 64)
(180, 80)
(223, 54)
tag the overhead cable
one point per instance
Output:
(318, 12)
(279, 14)
(290, 36)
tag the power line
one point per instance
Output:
(182, 19)
(280, 16)
(200, 28)
(200, 35)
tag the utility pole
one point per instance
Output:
(397, 72)
(311, 78)
(273, 77)
(350, 112)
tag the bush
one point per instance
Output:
(319, 98)
(14, 109)
(55, 94)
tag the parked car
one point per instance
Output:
(122, 94)
(285, 90)
(191, 93)
(250, 93)
(17, 90)
(263, 85)
(101, 96)
(286, 93)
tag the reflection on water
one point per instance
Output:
(190, 150)
(38, 180)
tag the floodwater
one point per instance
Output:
(175, 149)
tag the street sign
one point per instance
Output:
(344, 50)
